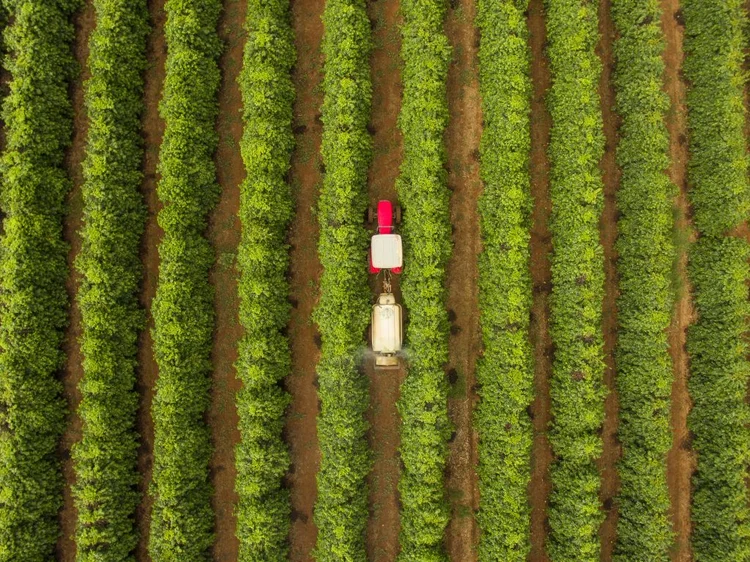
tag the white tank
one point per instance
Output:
(386, 330)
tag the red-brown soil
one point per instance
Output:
(305, 270)
(383, 525)
(541, 276)
(224, 233)
(681, 460)
(85, 22)
(462, 143)
(608, 234)
(153, 131)
(84, 25)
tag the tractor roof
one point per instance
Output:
(387, 252)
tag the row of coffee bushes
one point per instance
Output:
(504, 372)
(182, 517)
(266, 208)
(33, 270)
(576, 387)
(718, 269)
(426, 230)
(105, 459)
(646, 256)
(342, 314)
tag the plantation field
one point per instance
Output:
(185, 298)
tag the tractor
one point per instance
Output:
(385, 247)
(386, 257)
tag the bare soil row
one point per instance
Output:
(681, 459)
(541, 278)
(608, 236)
(84, 25)
(304, 276)
(462, 144)
(383, 526)
(224, 234)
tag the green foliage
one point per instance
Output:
(718, 269)
(3, 24)
(33, 270)
(426, 230)
(342, 314)
(646, 254)
(505, 373)
(182, 518)
(577, 390)
(266, 208)
(718, 386)
(714, 48)
(105, 459)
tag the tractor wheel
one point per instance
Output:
(371, 215)
(398, 214)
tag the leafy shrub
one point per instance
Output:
(577, 390)
(113, 215)
(504, 372)
(343, 310)
(426, 230)
(182, 518)
(646, 254)
(33, 269)
(718, 163)
(718, 385)
(266, 208)
(718, 268)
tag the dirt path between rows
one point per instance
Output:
(608, 234)
(462, 143)
(383, 525)
(153, 131)
(305, 270)
(224, 234)
(85, 22)
(541, 277)
(681, 460)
